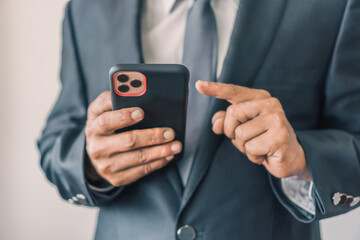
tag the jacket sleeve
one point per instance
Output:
(62, 144)
(333, 151)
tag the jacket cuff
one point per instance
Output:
(66, 170)
(299, 213)
(334, 166)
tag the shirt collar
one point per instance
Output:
(170, 4)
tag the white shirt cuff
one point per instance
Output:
(299, 191)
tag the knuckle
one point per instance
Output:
(239, 133)
(103, 168)
(165, 151)
(264, 93)
(141, 156)
(274, 102)
(279, 118)
(120, 115)
(147, 168)
(283, 136)
(128, 139)
(231, 110)
(239, 145)
(252, 104)
(90, 108)
(252, 158)
(219, 114)
(154, 135)
(94, 151)
(248, 147)
(276, 117)
(88, 130)
(103, 120)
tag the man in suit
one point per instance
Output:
(282, 91)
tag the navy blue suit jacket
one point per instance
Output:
(306, 53)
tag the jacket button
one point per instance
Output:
(355, 201)
(74, 200)
(81, 196)
(349, 200)
(186, 232)
(82, 199)
(339, 199)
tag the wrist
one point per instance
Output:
(303, 170)
(305, 174)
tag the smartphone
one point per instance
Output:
(161, 90)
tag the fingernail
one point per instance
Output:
(169, 158)
(136, 115)
(176, 147)
(168, 134)
(203, 83)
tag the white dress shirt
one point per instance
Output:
(162, 33)
(163, 29)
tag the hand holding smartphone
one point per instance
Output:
(146, 128)
(161, 90)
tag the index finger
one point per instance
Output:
(100, 105)
(230, 92)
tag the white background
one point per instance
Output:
(30, 208)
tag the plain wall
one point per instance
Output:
(30, 208)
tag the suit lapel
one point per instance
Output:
(254, 30)
(126, 18)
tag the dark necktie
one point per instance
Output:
(199, 56)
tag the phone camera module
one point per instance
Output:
(123, 88)
(123, 78)
(135, 83)
(129, 83)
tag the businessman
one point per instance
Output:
(272, 140)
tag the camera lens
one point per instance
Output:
(135, 83)
(123, 88)
(123, 78)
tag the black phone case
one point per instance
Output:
(165, 101)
